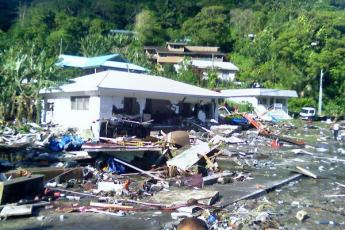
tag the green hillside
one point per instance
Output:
(280, 44)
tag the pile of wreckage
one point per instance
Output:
(49, 169)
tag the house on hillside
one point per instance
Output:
(99, 63)
(226, 71)
(201, 58)
(175, 52)
(104, 94)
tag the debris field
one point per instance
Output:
(262, 175)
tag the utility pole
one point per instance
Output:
(60, 46)
(320, 94)
(319, 111)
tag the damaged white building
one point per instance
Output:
(102, 95)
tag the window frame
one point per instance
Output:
(80, 103)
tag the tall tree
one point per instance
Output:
(209, 27)
(148, 28)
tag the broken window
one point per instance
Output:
(186, 110)
(280, 101)
(262, 101)
(148, 106)
(80, 103)
(271, 101)
(208, 110)
(159, 109)
(131, 106)
(50, 106)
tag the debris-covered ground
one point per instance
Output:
(230, 177)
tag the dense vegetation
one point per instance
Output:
(281, 44)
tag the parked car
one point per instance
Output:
(307, 113)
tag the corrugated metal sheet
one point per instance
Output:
(83, 62)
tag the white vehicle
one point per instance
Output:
(307, 113)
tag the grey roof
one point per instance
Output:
(259, 92)
(94, 62)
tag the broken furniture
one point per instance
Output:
(22, 187)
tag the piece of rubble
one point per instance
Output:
(178, 215)
(189, 157)
(307, 172)
(15, 189)
(301, 215)
(16, 210)
(180, 138)
(211, 179)
(106, 186)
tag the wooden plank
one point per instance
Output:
(138, 169)
(306, 172)
(112, 206)
(209, 162)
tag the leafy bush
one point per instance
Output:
(241, 107)
(296, 104)
(335, 108)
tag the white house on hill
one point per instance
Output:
(226, 71)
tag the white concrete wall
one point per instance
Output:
(152, 95)
(225, 75)
(106, 105)
(66, 117)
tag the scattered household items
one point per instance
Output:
(226, 117)
(225, 175)
(124, 126)
(66, 142)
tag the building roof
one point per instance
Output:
(177, 43)
(164, 50)
(124, 65)
(259, 92)
(123, 32)
(214, 64)
(119, 81)
(202, 48)
(152, 47)
(83, 62)
(94, 62)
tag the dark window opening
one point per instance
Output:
(131, 106)
(50, 106)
